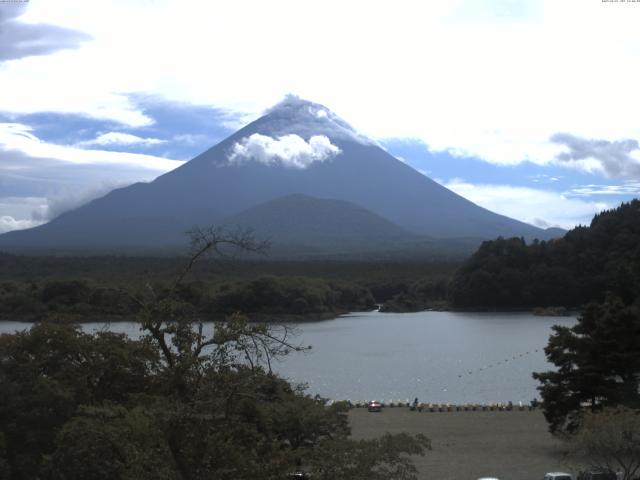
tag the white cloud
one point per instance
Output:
(627, 188)
(543, 177)
(8, 224)
(287, 150)
(70, 199)
(494, 81)
(17, 213)
(616, 159)
(189, 139)
(15, 137)
(46, 179)
(539, 222)
(20, 39)
(121, 138)
(21, 209)
(531, 205)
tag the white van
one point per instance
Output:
(558, 476)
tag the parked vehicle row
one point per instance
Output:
(585, 475)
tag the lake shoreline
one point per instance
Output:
(297, 318)
(256, 318)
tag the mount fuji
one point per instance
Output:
(299, 175)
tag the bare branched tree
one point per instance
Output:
(610, 440)
(179, 332)
(216, 242)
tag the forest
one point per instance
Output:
(506, 273)
(100, 288)
(585, 265)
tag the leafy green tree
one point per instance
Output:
(5, 470)
(48, 371)
(598, 364)
(274, 295)
(111, 442)
(66, 292)
(378, 459)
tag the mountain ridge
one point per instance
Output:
(298, 147)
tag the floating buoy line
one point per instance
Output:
(513, 358)
(448, 407)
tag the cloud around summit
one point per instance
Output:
(290, 151)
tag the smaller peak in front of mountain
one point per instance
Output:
(326, 223)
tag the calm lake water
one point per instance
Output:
(438, 357)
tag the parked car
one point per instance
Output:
(488, 478)
(558, 476)
(374, 406)
(298, 476)
(597, 475)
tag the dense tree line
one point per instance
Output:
(384, 277)
(99, 287)
(571, 271)
(427, 293)
(297, 295)
(266, 297)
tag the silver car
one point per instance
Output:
(558, 476)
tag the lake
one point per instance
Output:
(439, 357)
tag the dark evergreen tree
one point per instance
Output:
(598, 364)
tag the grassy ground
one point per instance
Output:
(468, 445)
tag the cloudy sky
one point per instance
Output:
(529, 108)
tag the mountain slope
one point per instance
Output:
(297, 147)
(320, 224)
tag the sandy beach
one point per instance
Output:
(510, 445)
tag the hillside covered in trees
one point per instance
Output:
(103, 287)
(263, 298)
(583, 266)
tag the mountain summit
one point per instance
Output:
(296, 116)
(297, 147)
